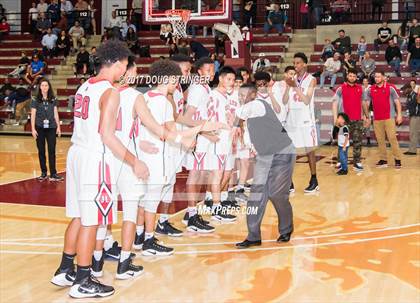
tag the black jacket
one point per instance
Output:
(392, 52)
(412, 105)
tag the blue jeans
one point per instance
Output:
(343, 156)
(279, 27)
(396, 64)
(414, 65)
(324, 75)
(317, 11)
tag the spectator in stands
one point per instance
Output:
(136, 13)
(66, 7)
(16, 99)
(403, 34)
(250, 13)
(54, 12)
(63, 44)
(33, 17)
(331, 67)
(317, 10)
(413, 58)
(62, 25)
(173, 49)
(35, 70)
(166, 34)
(93, 61)
(42, 6)
(328, 50)
(393, 57)
(42, 25)
(216, 61)
(114, 25)
(198, 50)
(84, 18)
(45, 125)
(77, 34)
(304, 12)
(414, 86)
(131, 38)
(340, 10)
(275, 19)
(384, 35)
(368, 67)
(92, 10)
(4, 28)
(24, 61)
(414, 32)
(261, 63)
(377, 6)
(49, 44)
(361, 48)
(82, 62)
(244, 72)
(2, 11)
(219, 42)
(348, 63)
(410, 9)
(126, 26)
(236, 11)
(6, 89)
(343, 43)
(183, 48)
(413, 108)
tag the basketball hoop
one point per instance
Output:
(179, 19)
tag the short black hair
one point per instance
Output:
(162, 69)
(342, 31)
(243, 69)
(112, 51)
(202, 61)
(344, 116)
(239, 77)
(301, 56)
(248, 86)
(262, 76)
(380, 72)
(180, 58)
(226, 70)
(290, 67)
(352, 71)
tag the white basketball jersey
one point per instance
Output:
(279, 89)
(161, 165)
(218, 106)
(127, 129)
(87, 115)
(300, 114)
(179, 99)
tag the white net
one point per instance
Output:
(179, 20)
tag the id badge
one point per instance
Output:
(46, 123)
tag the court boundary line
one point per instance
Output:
(222, 251)
(15, 243)
(26, 179)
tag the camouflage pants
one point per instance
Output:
(356, 134)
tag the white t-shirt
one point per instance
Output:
(33, 11)
(198, 97)
(161, 164)
(332, 66)
(42, 8)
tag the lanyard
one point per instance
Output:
(300, 80)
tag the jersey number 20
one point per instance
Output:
(81, 106)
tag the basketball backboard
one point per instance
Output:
(202, 11)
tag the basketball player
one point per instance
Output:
(177, 99)
(300, 121)
(197, 161)
(88, 202)
(278, 90)
(219, 154)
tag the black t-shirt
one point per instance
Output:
(384, 33)
(44, 110)
(415, 52)
(82, 58)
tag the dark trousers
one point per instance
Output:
(376, 8)
(46, 134)
(272, 179)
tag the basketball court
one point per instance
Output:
(357, 240)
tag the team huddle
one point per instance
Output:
(132, 144)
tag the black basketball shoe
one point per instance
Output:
(43, 177)
(166, 228)
(90, 287)
(151, 247)
(138, 241)
(64, 277)
(313, 186)
(222, 215)
(187, 217)
(127, 270)
(198, 225)
(97, 267)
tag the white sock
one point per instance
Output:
(97, 254)
(124, 255)
(163, 218)
(208, 195)
(139, 229)
(192, 211)
(109, 240)
(224, 195)
(148, 236)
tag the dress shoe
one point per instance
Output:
(285, 237)
(247, 244)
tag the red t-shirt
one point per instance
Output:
(5, 26)
(383, 99)
(349, 99)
